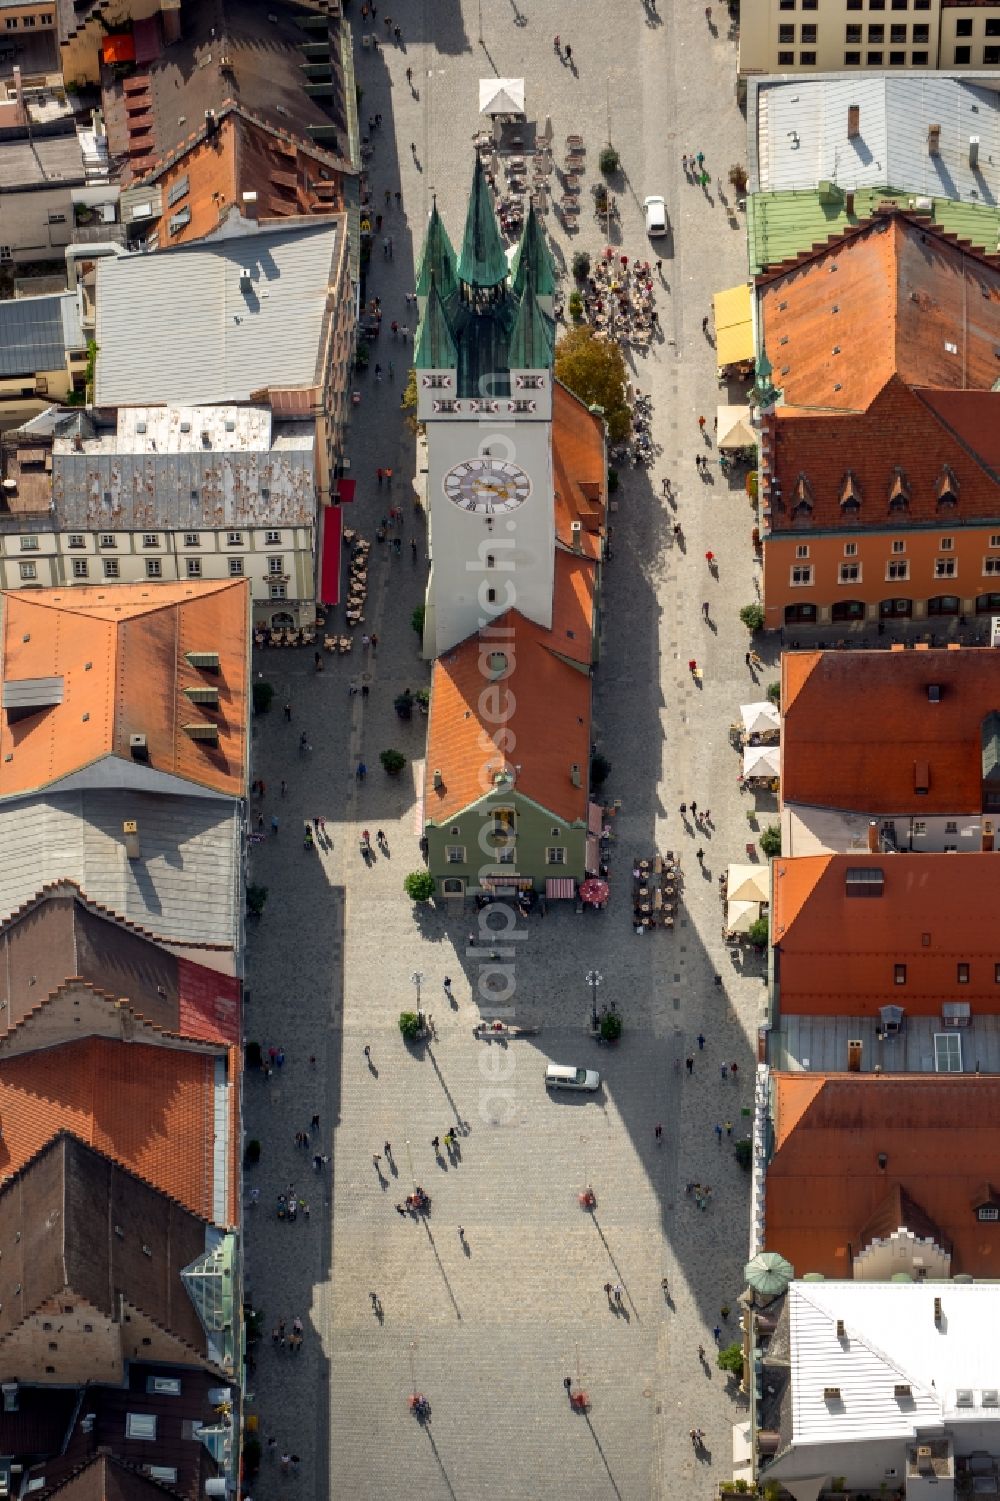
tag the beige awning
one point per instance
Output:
(762, 761)
(501, 96)
(733, 325)
(761, 717)
(748, 883)
(735, 429)
(741, 916)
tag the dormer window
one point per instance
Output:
(899, 491)
(802, 499)
(946, 489)
(850, 493)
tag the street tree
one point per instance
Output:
(594, 370)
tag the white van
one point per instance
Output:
(561, 1076)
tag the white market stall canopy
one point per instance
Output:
(740, 916)
(735, 429)
(758, 719)
(501, 96)
(761, 761)
(748, 883)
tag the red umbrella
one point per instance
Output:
(594, 891)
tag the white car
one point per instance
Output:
(561, 1076)
(656, 215)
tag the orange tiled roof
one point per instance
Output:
(579, 472)
(941, 1138)
(839, 952)
(149, 1108)
(884, 298)
(539, 714)
(120, 653)
(908, 443)
(854, 724)
(573, 607)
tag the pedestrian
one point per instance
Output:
(618, 1292)
(401, 1211)
(274, 824)
(704, 609)
(729, 1128)
(707, 816)
(376, 1159)
(374, 1298)
(288, 716)
(718, 1133)
(461, 1232)
(374, 642)
(567, 1380)
(436, 1144)
(387, 1149)
(658, 1133)
(699, 855)
(694, 808)
(409, 75)
(701, 423)
(607, 1290)
(260, 823)
(684, 161)
(568, 54)
(397, 34)
(717, 1334)
(724, 1070)
(682, 810)
(747, 659)
(699, 158)
(447, 986)
(413, 548)
(704, 324)
(368, 1053)
(689, 1064)
(733, 1069)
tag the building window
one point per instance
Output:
(277, 591)
(154, 568)
(962, 55)
(876, 33)
(991, 565)
(850, 573)
(920, 828)
(235, 568)
(852, 33)
(945, 568)
(80, 568)
(807, 59)
(276, 565)
(272, 539)
(786, 33)
(995, 539)
(802, 575)
(850, 549)
(897, 35)
(996, 974)
(150, 539)
(29, 544)
(921, 33)
(963, 974)
(555, 855)
(951, 828)
(897, 59)
(108, 539)
(899, 974)
(111, 568)
(947, 1053)
(192, 539)
(455, 854)
(992, 27)
(963, 28)
(76, 539)
(809, 34)
(874, 59)
(802, 551)
(899, 545)
(851, 59)
(28, 572)
(234, 539)
(194, 568)
(991, 56)
(786, 59)
(919, 59)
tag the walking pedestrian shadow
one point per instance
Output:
(383, 1181)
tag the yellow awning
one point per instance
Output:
(733, 325)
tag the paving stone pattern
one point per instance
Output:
(488, 1328)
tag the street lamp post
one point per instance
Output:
(417, 979)
(593, 978)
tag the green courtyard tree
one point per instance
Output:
(419, 885)
(730, 1359)
(594, 369)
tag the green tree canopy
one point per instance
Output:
(594, 370)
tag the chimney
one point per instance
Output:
(130, 829)
(249, 205)
(853, 121)
(574, 774)
(934, 140)
(576, 532)
(973, 151)
(873, 837)
(170, 20)
(938, 1313)
(849, 202)
(138, 748)
(925, 1461)
(841, 1330)
(78, 442)
(438, 778)
(22, 112)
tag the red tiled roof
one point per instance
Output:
(941, 1138)
(573, 607)
(579, 472)
(839, 952)
(854, 724)
(150, 1108)
(539, 714)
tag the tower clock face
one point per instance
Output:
(488, 487)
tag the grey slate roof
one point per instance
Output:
(802, 139)
(181, 890)
(42, 161)
(176, 326)
(35, 333)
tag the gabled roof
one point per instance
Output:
(533, 259)
(434, 347)
(542, 705)
(840, 945)
(116, 663)
(903, 457)
(61, 943)
(854, 724)
(825, 1191)
(163, 1113)
(105, 1478)
(889, 297)
(533, 339)
(437, 261)
(72, 1222)
(579, 472)
(37, 332)
(483, 261)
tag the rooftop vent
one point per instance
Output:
(185, 427)
(438, 777)
(865, 880)
(902, 1391)
(841, 1331)
(203, 696)
(831, 1394)
(138, 749)
(853, 121)
(934, 140)
(938, 1315)
(921, 777)
(574, 774)
(130, 829)
(203, 731)
(963, 1397)
(208, 661)
(990, 1397)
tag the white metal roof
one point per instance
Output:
(890, 1339)
(802, 134)
(214, 320)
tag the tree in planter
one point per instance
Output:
(612, 481)
(743, 1151)
(408, 402)
(770, 840)
(256, 898)
(594, 370)
(730, 1359)
(576, 307)
(758, 932)
(774, 694)
(738, 177)
(419, 885)
(581, 265)
(393, 762)
(600, 770)
(403, 704)
(417, 620)
(262, 696)
(423, 698)
(611, 1026)
(609, 161)
(409, 1025)
(752, 616)
(362, 355)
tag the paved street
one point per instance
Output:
(488, 1328)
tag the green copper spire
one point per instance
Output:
(764, 392)
(434, 346)
(483, 262)
(531, 339)
(533, 253)
(437, 259)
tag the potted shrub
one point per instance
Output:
(419, 885)
(393, 762)
(743, 1151)
(403, 704)
(730, 1359)
(423, 699)
(757, 933)
(262, 696)
(417, 619)
(256, 897)
(251, 1454)
(611, 1026)
(774, 694)
(752, 817)
(581, 265)
(612, 481)
(609, 161)
(770, 840)
(409, 1025)
(738, 177)
(575, 306)
(251, 1153)
(600, 770)
(752, 616)
(252, 1057)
